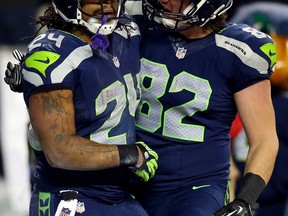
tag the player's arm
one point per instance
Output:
(256, 111)
(257, 114)
(52, 118)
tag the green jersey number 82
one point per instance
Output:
(155, 117)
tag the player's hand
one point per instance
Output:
(13, 76)
(236, 208)
(149, 166)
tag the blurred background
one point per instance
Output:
(15, 164)
(15, 158)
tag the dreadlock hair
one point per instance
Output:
(51, 19)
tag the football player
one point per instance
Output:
(197, 72)
(80, 83)
(270, 17)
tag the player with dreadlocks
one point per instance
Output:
(197, 72)
(81, 88)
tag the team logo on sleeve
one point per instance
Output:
(41, 61)
(270, 50)
(181, 52)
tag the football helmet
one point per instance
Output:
(70, 11)
(197, 13)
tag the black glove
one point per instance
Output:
(129, 157)
(252, 187)
(148, 168)
(236, 208)
(13, 75)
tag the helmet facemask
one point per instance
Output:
(71, 11)
(196, 13)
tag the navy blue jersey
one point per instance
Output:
(270, 17)
(187, 104)
(106, 93)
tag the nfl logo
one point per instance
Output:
(181, 52)
(116, 61)
(65, 212)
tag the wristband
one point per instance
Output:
(128, 155)
(251, 189)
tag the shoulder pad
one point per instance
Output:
(254, 48)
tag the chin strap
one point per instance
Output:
(100, 41)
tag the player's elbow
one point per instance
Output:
(55, 159)
(56, 155)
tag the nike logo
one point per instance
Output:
(238, 212)
(231, 213)
(47, 61)
(272, 53)
(201, 186)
